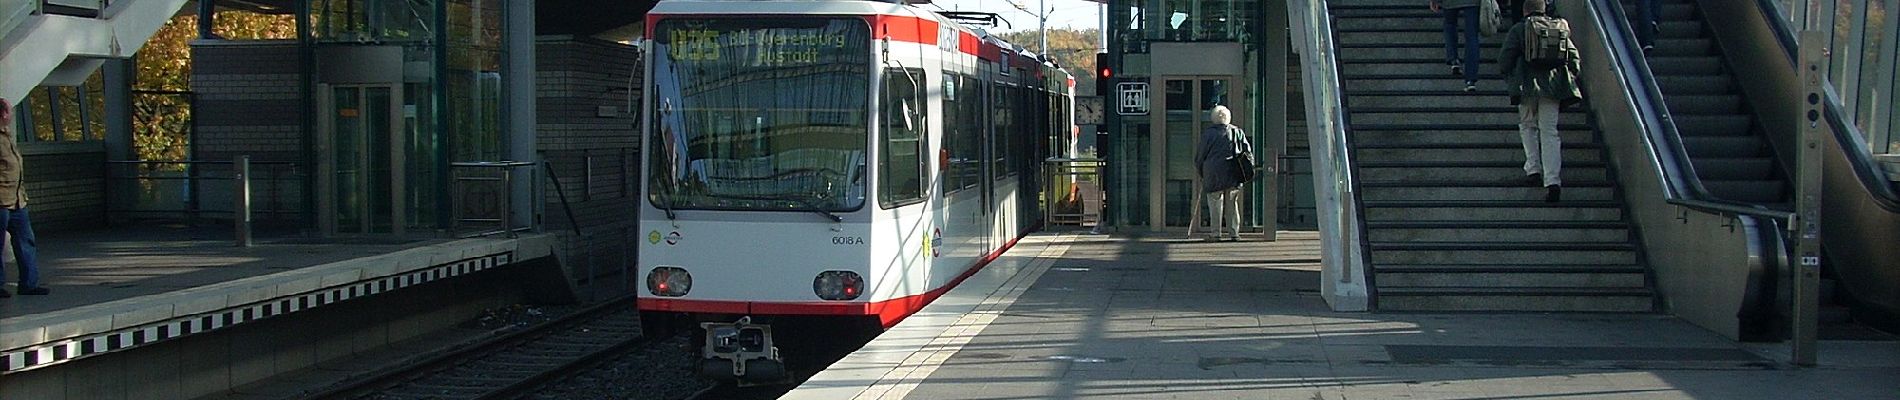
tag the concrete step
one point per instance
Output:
(1427, 68)
(1715, 125)
(1502, 114)
(1459, 136)
(1507, 171)
(1579, 152)
(1416, 52)
(1573, 192)
(1434, 37)
(1541, 253)
(1510, 276)
(1499, 231)
(1456, 99)
(1732, 168)
(1673, 12)
(1618, 300)
(1371, 23)
(1445, 84)
(1493, 211)
(1373, 3)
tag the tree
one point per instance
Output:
(161, 117)
(1073, 49)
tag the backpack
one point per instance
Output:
(1546, 41)
(1489, 18)
(1243, 159)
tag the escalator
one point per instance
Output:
(1726, 143)
(1719, 107)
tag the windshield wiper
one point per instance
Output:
(807, 204)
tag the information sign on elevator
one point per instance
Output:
(1133, 97)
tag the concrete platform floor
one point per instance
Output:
(1074, 316)
(93, 267)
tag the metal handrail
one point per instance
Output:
(1860, 158)
(241, 178)
(1331, 125)
(1075, 169)
(505, 221)
(1681, 185)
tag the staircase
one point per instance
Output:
(1725, 142)
(1450, 223)
(62, 45)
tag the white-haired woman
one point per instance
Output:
(1220, 178)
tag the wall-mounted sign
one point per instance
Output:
(1132, 97)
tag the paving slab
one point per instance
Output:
(1080, 316)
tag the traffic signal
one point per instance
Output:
(1103, 74)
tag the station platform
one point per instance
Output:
(1071, 315)
(119, 289)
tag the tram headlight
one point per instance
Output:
(838, 285)
(669, 281)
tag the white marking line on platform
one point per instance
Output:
(900, 381)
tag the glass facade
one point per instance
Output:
(449, 107)
(1135, 26)
(1863, 37)
(63, 113)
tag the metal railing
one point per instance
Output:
(1074, 189)
(194, 190)
(1339, 207)
(484, 196)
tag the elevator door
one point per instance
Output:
(363, 174)
(1185, 102)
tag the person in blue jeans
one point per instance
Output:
(13, 217)
(1465, 11)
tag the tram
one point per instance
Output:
(842, 163)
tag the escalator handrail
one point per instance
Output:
(1682, 186)
(1859, 156)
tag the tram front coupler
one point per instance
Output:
(741, 351)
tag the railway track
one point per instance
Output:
(512, 365)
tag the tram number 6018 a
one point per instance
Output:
(847, 240)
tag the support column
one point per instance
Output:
(118, 90)
(1272, 77)
(519, 98)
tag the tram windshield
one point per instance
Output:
(759, 114)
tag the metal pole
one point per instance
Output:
(1807, 223)
(1042, 27)
(242, 176)
(508, 200)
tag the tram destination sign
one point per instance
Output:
(763, 43)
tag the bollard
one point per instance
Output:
(242, 209)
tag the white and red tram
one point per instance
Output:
(850, 160)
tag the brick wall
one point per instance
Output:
(593, 153)
(65, 185)
(249, 103)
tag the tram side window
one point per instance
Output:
(952, 133)
(902, 171)
(999, 137)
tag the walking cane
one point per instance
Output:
(1194, 219)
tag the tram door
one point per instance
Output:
(1184, 103)
(361, 160)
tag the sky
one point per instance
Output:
(1073, 14)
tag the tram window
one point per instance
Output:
(999, 138)
(969, 155)
(902, 162)
(952, 132)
